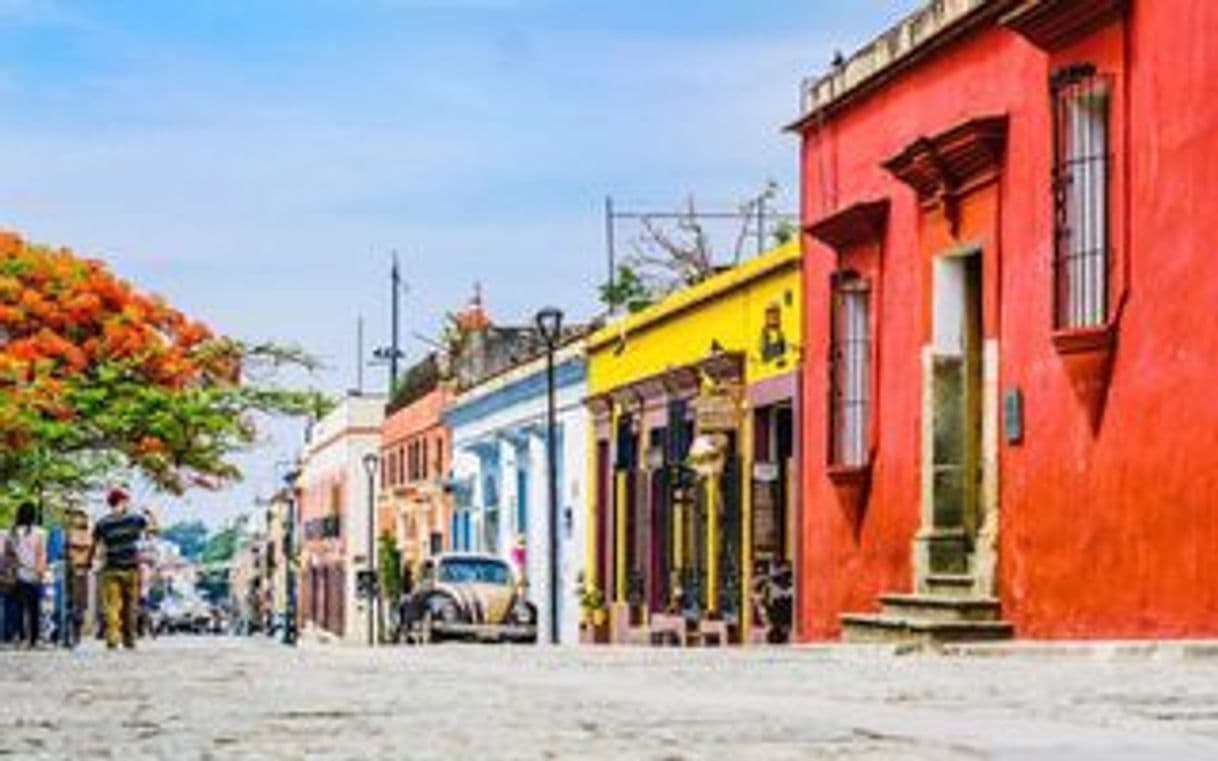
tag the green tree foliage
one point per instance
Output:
(784, 232)
(189, 536)
(99, 380)
(627, 291)
(389, 566)
(214, 557)
(220, 546)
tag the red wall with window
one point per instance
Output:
(1108, 518)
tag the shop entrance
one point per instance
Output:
(772, 530)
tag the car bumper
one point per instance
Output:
(493, 632)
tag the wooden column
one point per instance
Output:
(746, 521)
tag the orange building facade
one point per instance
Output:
(1009, 347)
(414, 507)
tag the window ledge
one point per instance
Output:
(1087, 354)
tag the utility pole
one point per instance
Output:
(395, 349)
(391, 354)
(359, 355)
(761, 224)
(609, 248)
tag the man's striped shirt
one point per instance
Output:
(121, 534)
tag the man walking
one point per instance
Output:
(120, 532)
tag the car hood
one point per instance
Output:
(485, 603)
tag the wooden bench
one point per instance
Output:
(759, 635)
(667, 629)
(715, 630)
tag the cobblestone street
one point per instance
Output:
(232, 698)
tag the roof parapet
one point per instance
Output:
(919, 32)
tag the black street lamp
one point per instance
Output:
(289, 556)
(549, 324)
(370, 464)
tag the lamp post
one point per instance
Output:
(549, 324)
(370, 463)
(289, 556)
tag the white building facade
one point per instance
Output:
(334, 516)
(500, 478)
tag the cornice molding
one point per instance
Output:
(863, 222)
(943, 168)
(1052, 24)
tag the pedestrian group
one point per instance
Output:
(118, 537)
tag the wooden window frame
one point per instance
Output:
(850, 352)
(1082, 184)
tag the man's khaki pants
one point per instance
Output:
(121, 598)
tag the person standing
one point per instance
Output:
(28, 550)
(8, 591)
(120, 533)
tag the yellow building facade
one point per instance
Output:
(693, 441)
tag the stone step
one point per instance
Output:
(948, 584)
(872, 627)
(931, 607)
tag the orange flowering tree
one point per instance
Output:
(97, 376)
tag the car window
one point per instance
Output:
(475, 571)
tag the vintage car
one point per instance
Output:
(468, 596)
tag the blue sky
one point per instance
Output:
(255, 161)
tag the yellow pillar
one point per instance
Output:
(611, 510)
(746, 524)
(712, 543)
(678, 544)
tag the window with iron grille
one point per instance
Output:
(849, 370)
(1081, 180)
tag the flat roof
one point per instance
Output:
(685, 299)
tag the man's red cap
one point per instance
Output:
(116, 496)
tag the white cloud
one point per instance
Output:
(267, 201)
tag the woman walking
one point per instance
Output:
(28, 550)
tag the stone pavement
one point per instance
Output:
(224, 698)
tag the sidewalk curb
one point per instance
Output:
(1151, 650)
(1158, 650)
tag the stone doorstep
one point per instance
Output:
(933, 607)
(959, 584)
(871, 627)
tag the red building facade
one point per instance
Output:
(1009, 346)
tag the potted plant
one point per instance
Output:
(594, 624)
